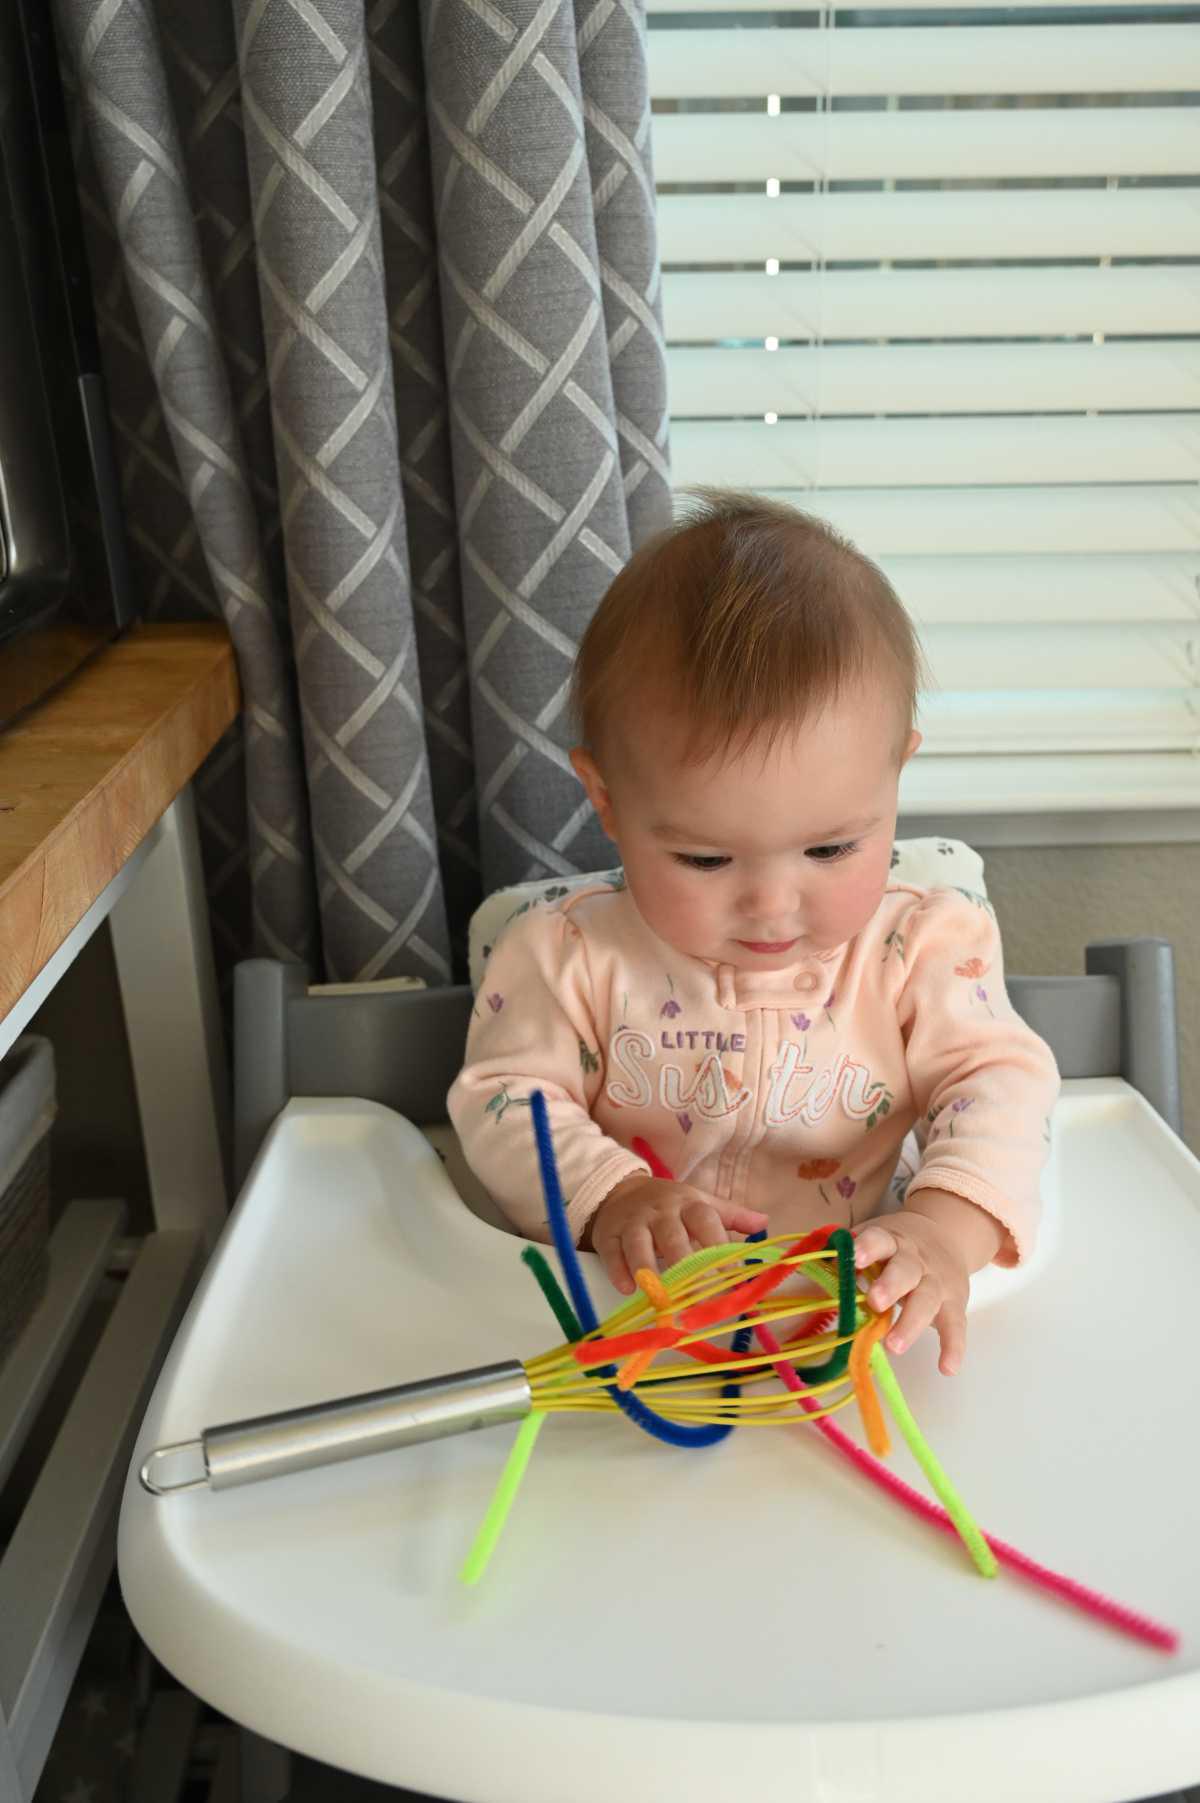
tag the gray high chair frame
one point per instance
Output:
(404, 1047)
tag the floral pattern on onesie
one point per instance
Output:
(794, 1091)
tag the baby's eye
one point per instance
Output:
(829, 854)
(692, 861)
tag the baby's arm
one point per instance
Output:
(534, 1027)
(987, 1084)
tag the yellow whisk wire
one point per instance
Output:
(694, 1391)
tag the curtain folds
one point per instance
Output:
(380, 310)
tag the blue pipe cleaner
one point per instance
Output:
(674, 1433)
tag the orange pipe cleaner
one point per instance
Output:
(869, 1406)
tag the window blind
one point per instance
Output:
(934, 274)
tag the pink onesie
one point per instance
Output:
(790, 1092)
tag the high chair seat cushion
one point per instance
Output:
(925, 863)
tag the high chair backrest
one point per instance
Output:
(403, 1048)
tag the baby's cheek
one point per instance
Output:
(851, 900)
(662, 899)
(682, 910)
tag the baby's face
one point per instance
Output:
(761, 859)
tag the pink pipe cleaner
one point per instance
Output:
(1116, 1615)
(1126, 1621)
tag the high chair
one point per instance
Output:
(753, 1621)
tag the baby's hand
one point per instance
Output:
(924, 1264)
(929, 1250)
(645, 1220)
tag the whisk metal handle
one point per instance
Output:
(246, 1452)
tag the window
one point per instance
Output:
(935, 275)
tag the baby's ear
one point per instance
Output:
(588, 772)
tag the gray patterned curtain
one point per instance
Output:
(379, 301)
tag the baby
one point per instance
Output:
(757, 1002)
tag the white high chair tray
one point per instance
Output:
(753, 1621)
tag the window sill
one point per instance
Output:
(1096, 798)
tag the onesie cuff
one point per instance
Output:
(1018, 1238)
(602, 1181)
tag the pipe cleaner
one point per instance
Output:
(865, 1357)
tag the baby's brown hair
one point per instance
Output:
(742, 618)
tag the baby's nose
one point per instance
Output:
(770, 901)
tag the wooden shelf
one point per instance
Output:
(84, 777)
(93, 818)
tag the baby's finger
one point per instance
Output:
(618, 1272)
(919, 1309)
(873, 1244)
(638, 1249)
(900, 1275)
(741, 1220)
(705, 1225)
(951, 1325)
(671, 1239)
